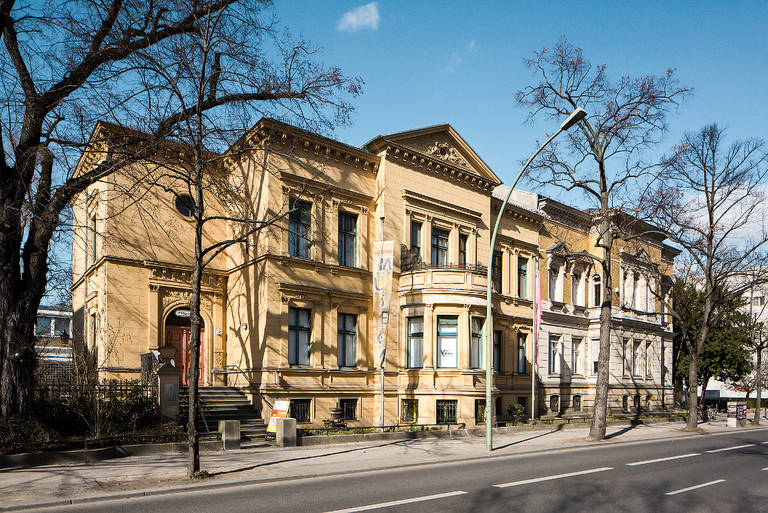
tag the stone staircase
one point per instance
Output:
(224, 403)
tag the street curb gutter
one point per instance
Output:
(253, 482)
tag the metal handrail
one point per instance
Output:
(250, 383)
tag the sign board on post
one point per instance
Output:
(383, 255)
(279, 411)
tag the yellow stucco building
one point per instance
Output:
(288, 313)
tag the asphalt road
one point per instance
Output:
(708, 473)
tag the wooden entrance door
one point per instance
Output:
(179, 337)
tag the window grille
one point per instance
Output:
(348, 408)
(409, 410)
(576, 403)
(446, 411)
(554, 403)
(479, 411)
(300, 410)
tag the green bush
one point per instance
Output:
(517, 414)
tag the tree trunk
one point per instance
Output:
(758, 388)
(704, 384)
(598, 426)
(693, 402)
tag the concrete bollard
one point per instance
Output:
(230, 434)
(286, 432)
(168, 388)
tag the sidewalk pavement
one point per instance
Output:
(149, 474)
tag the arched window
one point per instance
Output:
(185, 205)
(597, 289)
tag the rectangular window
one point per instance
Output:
(496, 271)
(479, 411)
(522, 277)
(463, 250)
(577, 403)
(446, 411)
(646, 359)
(596, 291)
(347, 239)
(300, 410)
(521, 353)
(93, 240)
(409, 410)
(497, 350)
(439, 247)
(92, 326)
(416, 237)
(576, 352)
(626, 356)
(447, 341)
(476, 344)
(415, 349)
(636, 361)
(595, 354)
(43, 327)
(348, 409)
(554, 355)
(299, 329)
(61, 327)
(347, 337)
(576, 289)
(299, 228)
(552, 278)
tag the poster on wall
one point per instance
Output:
(279, 411)
(383, 255)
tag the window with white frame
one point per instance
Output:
(647, 359)
(415, 349)
(577, 355)
(597, 289)
(522, 277)
(637, 362)
(554, 354)
(447, 341)
(626, 356)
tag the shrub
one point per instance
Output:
(517, 414)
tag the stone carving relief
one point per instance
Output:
(184, 296)
(445, 151)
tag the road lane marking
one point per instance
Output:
(399, 503)
(657, 460)
(702, 485)
(731, 448)
(764, 443)
(549, 478)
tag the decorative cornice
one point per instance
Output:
(435, 166)
(318, 187)
(272, 132)
(411, 195)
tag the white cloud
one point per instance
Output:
(365, 16)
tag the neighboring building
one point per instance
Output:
(572, 287)
(291, 309)
(53, 344)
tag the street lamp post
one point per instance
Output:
(575, 116)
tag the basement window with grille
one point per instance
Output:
(300, 410)
(446, 411)
(348, 408)
(409, 410)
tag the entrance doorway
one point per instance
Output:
(178, 334)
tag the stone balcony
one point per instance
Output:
(450, 276)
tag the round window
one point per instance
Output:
(185, 205)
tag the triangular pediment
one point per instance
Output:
(441, 142)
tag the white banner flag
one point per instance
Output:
(383, 254)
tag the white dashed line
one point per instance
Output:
(400, 502)
(646, 462)
(731, 448)
(549, 478)
(702, 485)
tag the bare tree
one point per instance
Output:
(66, 65)
(709, 198)
(601, 158)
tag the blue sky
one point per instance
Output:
(426, 63)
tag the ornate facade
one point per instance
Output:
(288, 313)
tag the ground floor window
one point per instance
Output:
(523, 401)
(479, 411)
(554, 403)
(447, 341)
(636, 401)
(647, 402)
(625, 403)
(300, 410)
(446, 411)
(576, 403)
(409, 410)
(348, 408)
